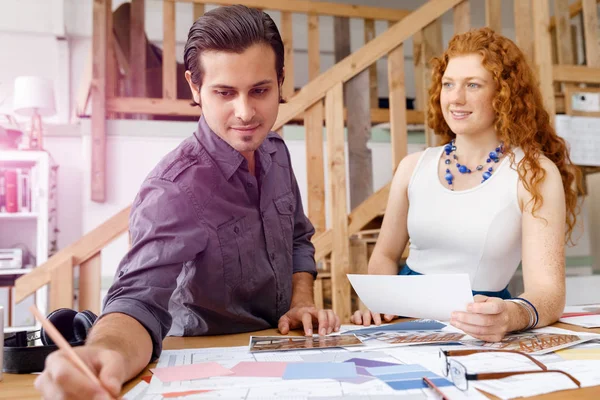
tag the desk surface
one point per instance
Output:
(21, 386)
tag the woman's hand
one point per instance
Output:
(488, 318)
(365, 317)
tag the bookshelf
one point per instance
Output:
(25, 215)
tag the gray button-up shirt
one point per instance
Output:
(213, 247)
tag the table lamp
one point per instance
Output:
(34, 97)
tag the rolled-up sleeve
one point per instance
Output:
(303, 257)
(166, 232)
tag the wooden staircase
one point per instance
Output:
(344, 245)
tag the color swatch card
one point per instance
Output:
(406, 377)
(269, 369)
(284, 343)
(320, 371)
(416, 325)
(190, 372)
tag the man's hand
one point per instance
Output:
(364, 318)
(306, 316)
(61, 379)
(488, 318)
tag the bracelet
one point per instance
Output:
(529, 313)
(537, 316)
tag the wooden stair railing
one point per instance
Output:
(58, 270)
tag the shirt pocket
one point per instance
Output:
(285, 206)
(237, 249)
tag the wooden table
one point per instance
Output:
(21, 386)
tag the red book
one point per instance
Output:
(10, 179)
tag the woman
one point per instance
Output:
(502, 190)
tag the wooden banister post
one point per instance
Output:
(543, 54)
(397, 90)
(169, 62)
(493, 15)
(90, 279)
(462, 17)
(100, 55)
(61, 285)
(340, 286)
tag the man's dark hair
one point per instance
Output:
(231, 29)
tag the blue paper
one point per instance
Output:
(365, 362)
(320, 371)
(416, 325)
(417, 384)
(396, 369)
(406, 377)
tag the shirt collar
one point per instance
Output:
(226, 157)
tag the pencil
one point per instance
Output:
(432, 385)
(62, 344)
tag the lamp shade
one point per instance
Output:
(33, 93)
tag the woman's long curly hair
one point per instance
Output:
(521, 120)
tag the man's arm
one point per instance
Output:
(303, 312)
(135, 346)
(166, 232)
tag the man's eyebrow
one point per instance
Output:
(223, 86)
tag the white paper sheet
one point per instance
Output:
(433, 296)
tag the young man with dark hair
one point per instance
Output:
(220, 243)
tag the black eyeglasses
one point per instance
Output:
(460, 377)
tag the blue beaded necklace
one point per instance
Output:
(493, 158)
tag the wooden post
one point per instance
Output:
(169, 67)
(90, 279)
(61, 285)
(358, 117)
(313, 125)
(359, 263)
(198, 10)
(543, 54)
(340, 286)
(98, 98)
(462, 17)
(111, 62)
(418, 61)
(397, 93)
(318, 293)
(561, 35)
(523, 28)
(432, 47)
(288, 45)
(493, 15)
(373, 92)
(590, 33)
(563, 32)
(137, 48)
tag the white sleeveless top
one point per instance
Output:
(475, 231)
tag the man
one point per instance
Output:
(220, 243)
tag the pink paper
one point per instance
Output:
(260, 369)
(190, 372)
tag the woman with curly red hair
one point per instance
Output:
(500, 191)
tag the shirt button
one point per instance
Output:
(236, 230)
(121, 273)
(291, 208)
(272, 256)
(250, 184)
